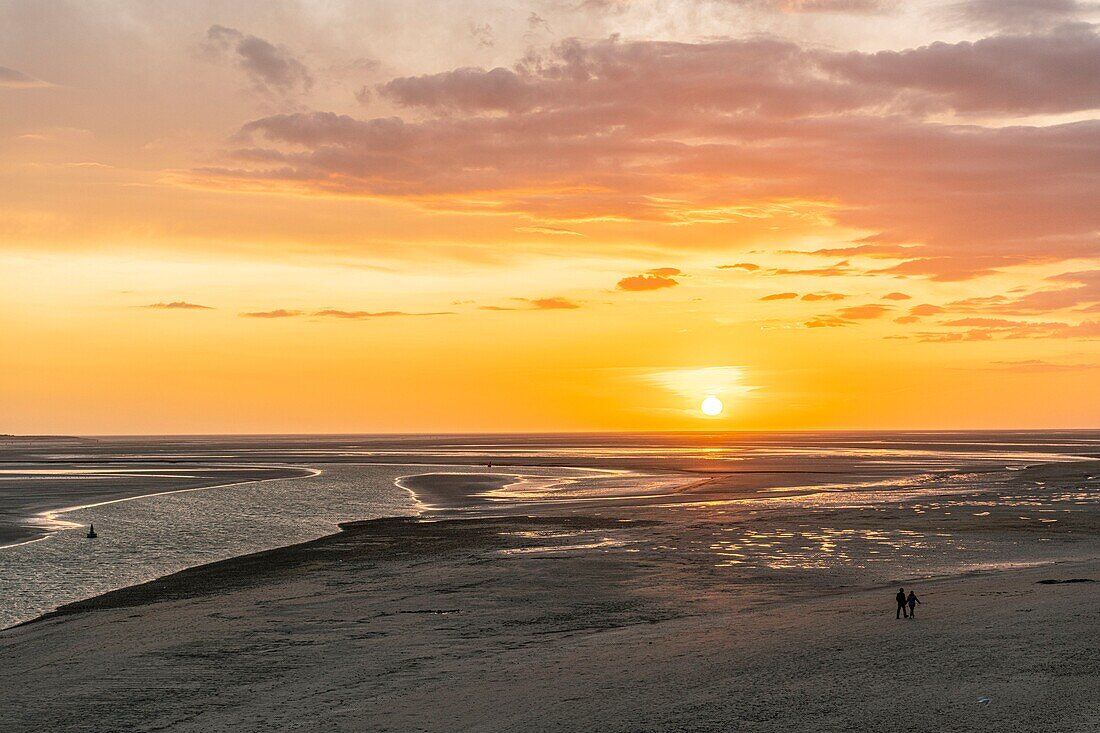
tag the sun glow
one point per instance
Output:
(711, 406)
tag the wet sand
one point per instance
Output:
(25, 494)
(398, 625)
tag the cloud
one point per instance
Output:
(661, 277)
(926, 309)
(178, 305)
(903, 320)
(863, 312)
(665, 272)
(1075, 289)
(697, 383)
(365, 315)
(793, 7)
(840, 268)
(278, 313)
(1022, 74)
(654, 131)
(467, 89)
(554, 231)
(1014, 14)
(537, 304)
(271, 68)
(988, 329)
(827, 322)
(747, 266)
(13, 79)
(554, 304)
(780, 296)
(1038, 366)
(336, 313)
(855, 7)
(823, 296)
(897, 296)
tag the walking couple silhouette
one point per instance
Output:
(911, 601)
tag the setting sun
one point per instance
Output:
(712, 406)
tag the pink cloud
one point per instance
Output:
(621, 129)
(178, 305)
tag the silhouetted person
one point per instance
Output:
(901, 603)
(912, 600)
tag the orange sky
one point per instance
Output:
(416, 216)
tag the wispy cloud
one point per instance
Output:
(696, 383)
(553, 231)
(1038, 366)
(537, 304)
(336, 313)
(365, 315)
(13, 79)
(272, 69)
(178, 305)
(827, 322)
(278, 313)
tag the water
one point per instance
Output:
(849, 503)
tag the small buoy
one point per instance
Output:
(91, 532)
(984, 700)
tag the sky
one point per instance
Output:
(296, 216)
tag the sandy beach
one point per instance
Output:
(617, 618)
(396, 625)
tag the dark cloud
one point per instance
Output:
(1021, 74)
(271, 68)
(178, 305)
(1022, 15)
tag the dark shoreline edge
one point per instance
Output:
(368, 540)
